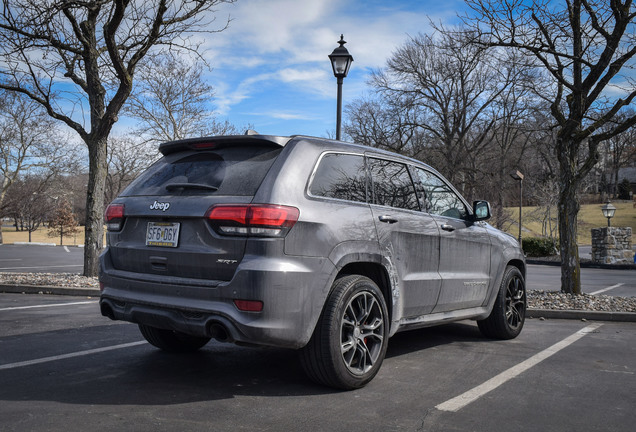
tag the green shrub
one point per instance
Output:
(539, 247)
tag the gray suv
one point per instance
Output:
(306, 243)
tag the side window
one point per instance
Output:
(392, 185)
(438, 198)
(340, 176)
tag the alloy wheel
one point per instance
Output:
(362, 333)
(515, 303)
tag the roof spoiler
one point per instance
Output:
(214, 142)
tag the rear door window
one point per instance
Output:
(392, 185)
(237, 170)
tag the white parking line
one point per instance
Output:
(66, 249)
(607, 289)
(47, 305)
(459, 402)
(67, 356)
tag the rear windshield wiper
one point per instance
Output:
(203, 186)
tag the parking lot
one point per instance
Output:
(64, 367)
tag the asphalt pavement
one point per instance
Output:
(38, 258)
(63, 367)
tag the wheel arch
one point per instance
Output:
(377, 273)
(520, 265)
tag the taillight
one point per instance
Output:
(262, 220)
(114, 216)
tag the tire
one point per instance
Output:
(172, 341)
(509, 312)
(349, 343)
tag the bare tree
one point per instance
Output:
(450, 87)
(584, 46)
(173, 101)
(513, 132)
(618, 151)
(381, 123)
(29, 202)
(78, 60)
(541, 183)
(28, 141)
(126, 160)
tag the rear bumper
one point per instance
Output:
(293, 291)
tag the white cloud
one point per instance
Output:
(314, 81)
(282, 115)
(273, 43)
(271, 26)
(225, 97)
(293, 75)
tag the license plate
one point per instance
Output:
(164, 234)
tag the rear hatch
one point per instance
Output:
(161, 223)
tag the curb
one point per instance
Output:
(581, 315)
(583, 264)
(530, 313)
(43, 289)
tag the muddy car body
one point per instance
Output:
(303, 243)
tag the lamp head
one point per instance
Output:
(341, 59)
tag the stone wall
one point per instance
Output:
(612, 245)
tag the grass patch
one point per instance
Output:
(10, 235)
(590, 216)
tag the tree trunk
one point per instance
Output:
(568, 217)
(615, 191)
(93, 242)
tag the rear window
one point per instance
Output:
(340, 176)
(225, 171)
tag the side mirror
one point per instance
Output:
(481, 210)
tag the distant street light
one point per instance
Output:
(608, 211)
(340, 62)
(519, 177)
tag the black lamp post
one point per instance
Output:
(608, 211)
(340, 62)
(519, 177)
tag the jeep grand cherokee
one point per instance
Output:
(306, 243)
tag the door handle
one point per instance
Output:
(447, 227)
(387, 219)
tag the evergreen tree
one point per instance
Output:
(64, 222)
(624, 188)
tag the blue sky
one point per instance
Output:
(270, 67)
